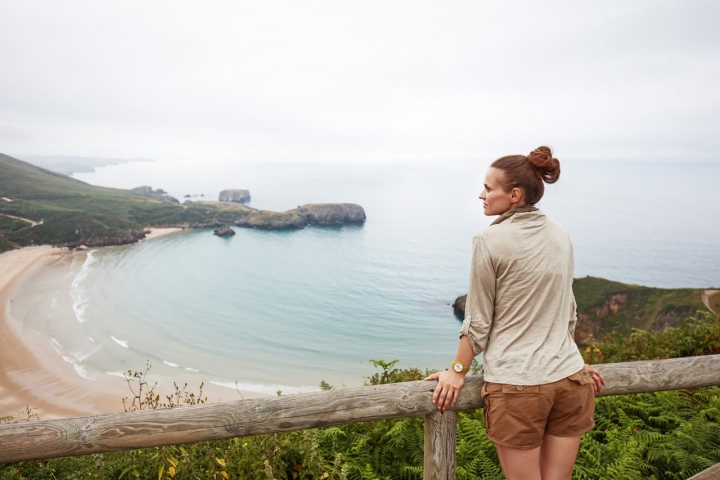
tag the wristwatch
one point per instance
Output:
(458, 366)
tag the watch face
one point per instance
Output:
(458, 367)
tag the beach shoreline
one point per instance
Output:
(30, 374)
(33, 375)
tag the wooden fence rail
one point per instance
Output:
(149, 428)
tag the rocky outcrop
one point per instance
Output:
(158, 194)
(224, 231)
(301, 217)
(459, 306)
(266, 220)
(235, 195)
(331, 213)
(132, 236)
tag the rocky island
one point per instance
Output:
(224, 231)
(235, 195)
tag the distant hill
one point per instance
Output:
(67, 165)
(38, 206)
(71, 212)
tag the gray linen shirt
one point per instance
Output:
(520, 310)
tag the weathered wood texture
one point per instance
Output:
(709, 474)
(440, 441)
(124, 431)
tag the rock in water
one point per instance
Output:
(459, 306)
(224, 231)
(235, 195)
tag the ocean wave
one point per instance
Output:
(192, 370)
(170, 364)
(117, 374)
(122, 343)
(56, 346)
(80, 300)
(269, 389)
(83, 355)
(81, 371)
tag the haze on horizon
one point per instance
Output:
(371, 81)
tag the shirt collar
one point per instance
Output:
(510, 213)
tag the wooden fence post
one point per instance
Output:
(440, 441)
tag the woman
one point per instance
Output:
(520, 313)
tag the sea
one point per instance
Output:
(269, 311)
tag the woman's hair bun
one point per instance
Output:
(546, 166)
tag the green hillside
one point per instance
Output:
(604, 306)
(58, 210)
(74, 212)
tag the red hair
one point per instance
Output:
(530, 173)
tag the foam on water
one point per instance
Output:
(81, 371)
(56, 345)
(81, 356)
(122, 343)
(80, 300)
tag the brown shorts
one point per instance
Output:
(518, 416)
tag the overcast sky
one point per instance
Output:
(360, 81)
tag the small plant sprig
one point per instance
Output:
(144, 396)
(150, 400)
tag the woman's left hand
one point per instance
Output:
(448, 388)
(597, 377)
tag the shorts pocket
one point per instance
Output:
(583, 377)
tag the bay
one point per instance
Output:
(282, 310)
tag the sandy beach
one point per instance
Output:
(33, 375)
(158, 232)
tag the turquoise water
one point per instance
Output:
(284, 310)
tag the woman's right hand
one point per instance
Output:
(597, 378)
(448, 388)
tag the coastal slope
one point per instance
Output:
(38, 206)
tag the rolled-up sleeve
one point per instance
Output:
(480, 303)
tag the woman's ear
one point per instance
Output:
(516, 195)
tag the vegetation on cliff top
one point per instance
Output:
(605, 306)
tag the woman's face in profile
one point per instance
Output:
(496, 200)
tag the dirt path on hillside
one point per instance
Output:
(706, 294)
(31, 222)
